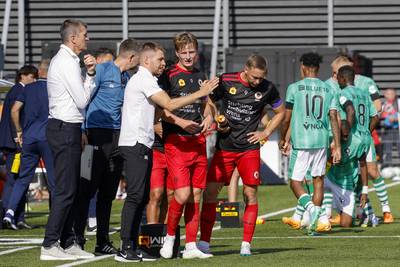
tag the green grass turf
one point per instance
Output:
(274, 243)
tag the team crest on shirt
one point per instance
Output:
(258, 96)
(232, 91)
(342, 100)
(181, 82)
(256, 174)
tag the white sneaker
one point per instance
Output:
(55, 253)
(195, 254)
(78, 252)
(204, 246)
(245, 249)
(168, 247)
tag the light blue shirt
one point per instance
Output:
(104, 110)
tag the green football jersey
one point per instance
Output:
(363, 106)
(336, 90)
(310, 100)
(345, 174)
(367, 84)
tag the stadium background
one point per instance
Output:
(370, 27)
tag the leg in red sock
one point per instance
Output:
(207, 220)
(174, 215)
(191, 221)
(249, 221)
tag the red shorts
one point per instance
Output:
(159, 172)
(224, 162)
(186, 160)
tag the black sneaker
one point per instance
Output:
(127, 255)
(105, 249)
(23, 225)
(145, 256)
(91, 230)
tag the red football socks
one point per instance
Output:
(207, 221)
(249, 221)
(174, 215)
(192, 215)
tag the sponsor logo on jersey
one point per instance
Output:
(256, 174)
(181, 82)
(372, 89)
(313, 126)
(258, 96)
(342, 100)
(232, 91)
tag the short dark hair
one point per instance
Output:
(257, 61)
(311, 59)
(153, 46)
(129, 45)
(103, 51)
(26, 70)
(347, 72)
(70, 27)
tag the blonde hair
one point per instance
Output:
(341, 60)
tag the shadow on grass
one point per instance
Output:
(258, 251)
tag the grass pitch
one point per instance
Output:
(274, 243)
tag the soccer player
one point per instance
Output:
(137, 137)
(157, 207)
(368, 85)
(185, 146)
(360, 119)
(313, 105)
(244, 96)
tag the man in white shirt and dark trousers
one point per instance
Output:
(142, 93)
(68, 97)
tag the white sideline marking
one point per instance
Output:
(86, 261)
(15, 250)
(308, 237)
(267, 215)
(21, 241)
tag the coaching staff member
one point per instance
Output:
(68, 96)
(137, 136)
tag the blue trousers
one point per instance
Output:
(19, 212)
(31, 154)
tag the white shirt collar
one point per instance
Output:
(69, 50)
(147, 72)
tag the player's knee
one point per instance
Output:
(182, 195)
(346, 221)
(155, 196)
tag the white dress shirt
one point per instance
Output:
(138, 110)
(68, 93)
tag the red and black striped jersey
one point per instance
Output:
(179, 82)
(243, 107)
